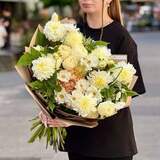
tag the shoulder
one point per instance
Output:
(123, 34)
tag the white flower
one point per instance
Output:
(54, 31)
(86, 104)
(100, 79)
(64, 51)
(95, 93)
(103, 54)
(79, 51)
(90, 61)
(54, 17)
(126, 75)
(61, 97)
(64, 76)
(107, 109)
(82, 85)
(43, 67)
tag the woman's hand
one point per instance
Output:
(48, 122)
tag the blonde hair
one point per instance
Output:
(115, 12)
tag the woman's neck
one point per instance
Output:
(94, 20)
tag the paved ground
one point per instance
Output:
(16, 108)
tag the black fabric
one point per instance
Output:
(114, 136)
(75, 156)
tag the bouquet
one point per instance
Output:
(73, 78)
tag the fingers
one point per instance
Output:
(52, 122)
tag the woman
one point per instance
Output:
(114, 137)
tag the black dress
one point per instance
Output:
(114, 136)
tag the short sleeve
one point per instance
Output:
(129, 47)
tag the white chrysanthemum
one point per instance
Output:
(103, 54)
(76, 94)
(61, 97)
(95, 93)
(91, 61)
(127, 72)
(73, 39)
(64, 76)
(54, 31)
(85, 105)
(43, 67)
(100, 79)
(107, 109)
(82, 85)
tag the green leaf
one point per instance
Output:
(101, 43)
(36, 85)
(35, 124)
(27, 58)
(131, 93)
(51, 104)
(35, 134)
(41, 39)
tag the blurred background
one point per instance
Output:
(18, 21)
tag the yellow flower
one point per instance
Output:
(107, 109)
(73, 38)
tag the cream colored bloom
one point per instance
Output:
(79, 51)
(64, 76)
(94, 92)
(54, 31)
(61, 97)
(127, 72)
(64, 51)
(100, 79)
(103, 54)
(70, 62)
(86, 104)
(93, 115)
(43, 67)
(90, 61)
(82, 85)
(54, 17)
(106, 109)
(73, 39)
